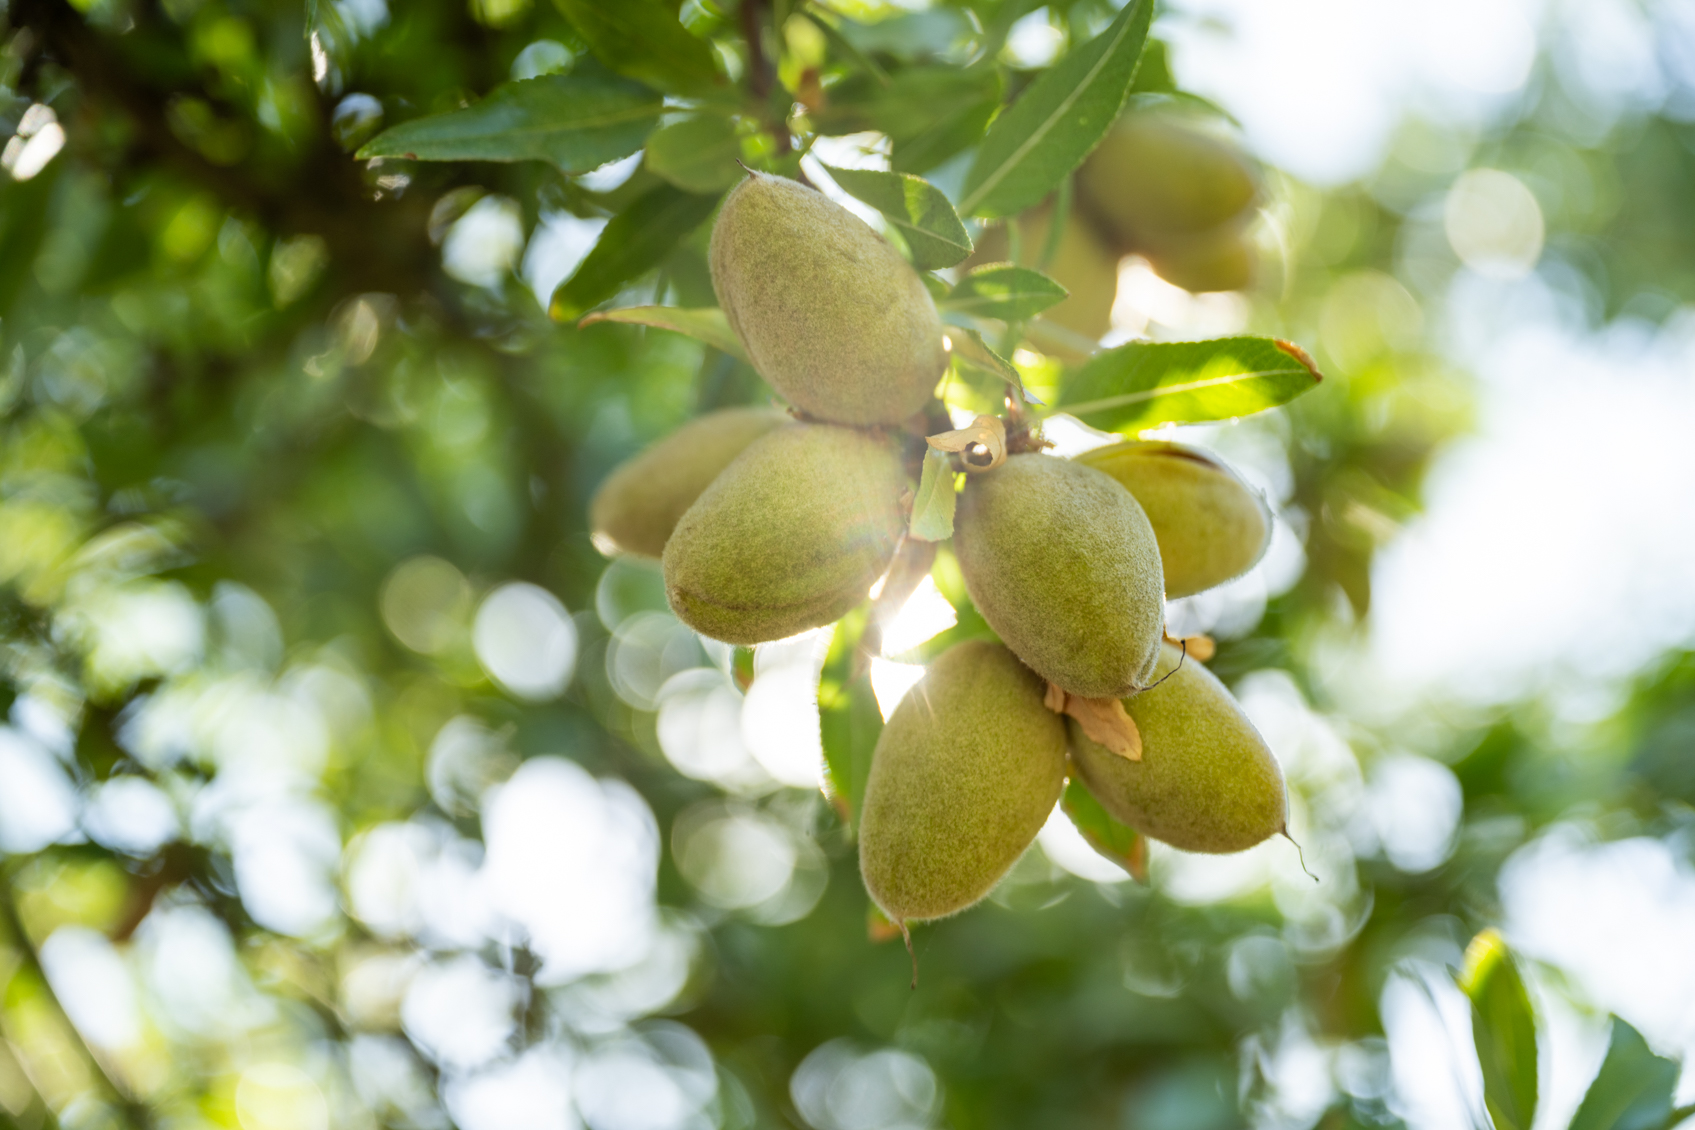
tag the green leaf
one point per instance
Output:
(644, 40)
(917, 208)
(1145, 383)
(697, 154)
(928, 113)
(1118, 842)
(1057, 121)
(849, 720)
(932, 509)
(1005, 291)
(707, 324)
(970, 349)
(1633, 1090)
(23, 227)
(1504, 1028)
(577, 122)
(634, 242)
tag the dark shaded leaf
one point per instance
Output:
(23, 225)
(577, 122)
(1005, 291)
(1057, 120)
(1118, 842)
(697, 154)
(917, 209)
(1144, 383)
(1504, 1028)
(849, 721)
(634, 242)
(1634, 1088)
(932, 509)
(644, 40)
(706, 324)
(928, 113)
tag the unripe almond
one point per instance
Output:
(1206, 781)
(1211, 525)
(965, 773)
(790, 536)
(1157, 175)
(637, 507)
(831, 314)
(1062, 563)
(1221, 259)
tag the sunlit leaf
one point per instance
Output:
(577, 122)
(849, 720)
(1144, 383)
(1057, 120)
(1633, 1090)
(1005, 291)
(1504, 1028)
(644, 40)
(918, 209)
(932, 509)
(631, 244)
(697, 154)
(1118, 842)
(928, 113)
(706, 324)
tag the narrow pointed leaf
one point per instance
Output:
(849, 720)
(1504, 1028)
(1145, 383)
(932, 509)
(1004, 291)
(645, 40)
(918, 210)
(706, 324)
(1057, 120)
(971, 349)
(576, 122)
(1634, 1088)
(633, 243)
(1118, 842)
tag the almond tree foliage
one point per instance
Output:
(264, 456)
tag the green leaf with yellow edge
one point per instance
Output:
(1633, 1090)
(1116, 841)
(575, 122)
(1147, 383)
(706, 323)
(848, 718)
(1504, 1027)
(645, 40)
(1058, 119)
(1005, 291)
(918, 210)
(932, 508)
(634, 242)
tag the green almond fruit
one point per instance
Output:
(1158, 174)
(830, 313)
(637, 507)
(1206, 781)
(1063, 564)
(964, 775)
(1211, 525)
(790, 536)
(1221, 259)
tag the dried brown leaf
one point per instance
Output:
(1104, 720)
(980, 445)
